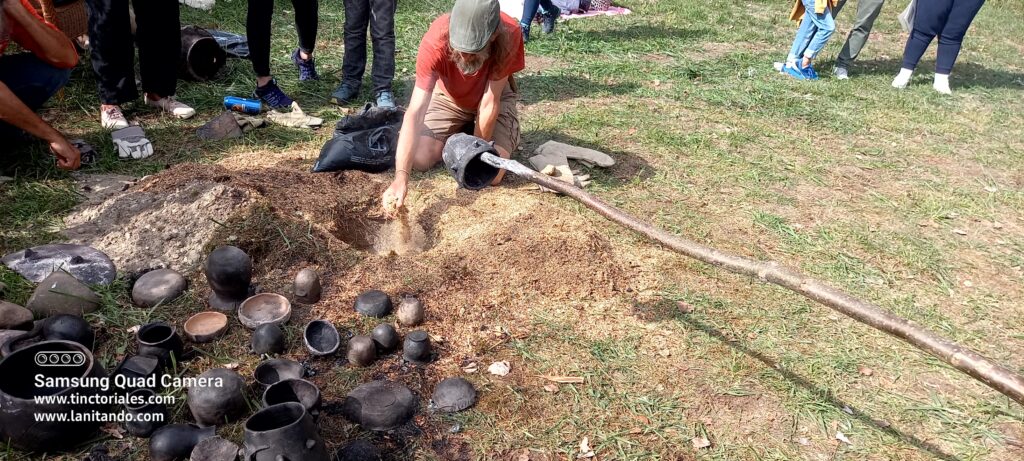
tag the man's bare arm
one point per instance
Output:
(53, 47)
(490, 107)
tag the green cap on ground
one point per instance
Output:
(472, 23)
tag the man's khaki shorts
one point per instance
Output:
(444, 119)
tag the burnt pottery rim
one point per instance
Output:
(88, 370)
(288, 365)
(253, 323)
(289, 382)
(279, 407)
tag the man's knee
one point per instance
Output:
(427, 153)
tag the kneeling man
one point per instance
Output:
(28, 79)
(464, 79)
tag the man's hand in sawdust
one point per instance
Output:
(393, 199)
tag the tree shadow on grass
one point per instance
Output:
(639, 32)
(563, 87)
(665, 310)
(966, 74)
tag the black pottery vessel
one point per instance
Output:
(142, 370)
(141, 404)
(321, 337)
(453, 395)
(283, 432)
(160, 340)
(229, 273)
(362, 351)
(386, 338)
(417, 347)
(69, 328)
(18, 388)
(269, 372)
(214, 404)
(373, 303)
(268, 339)
(379, 405)
(175, 442)
(294, 390)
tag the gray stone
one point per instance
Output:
(158, 287)
(14, 317)
(8, 334)
(3, 287)
(307, 286)
(85, 263)
(60, 293)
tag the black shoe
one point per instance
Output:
(549, 20)
(344, 94)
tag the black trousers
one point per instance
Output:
(257, 30)
(379, 17)
(113, 48)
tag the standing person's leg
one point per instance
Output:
(825, 26)
(867, 13)
(159, 36)
(307, 20)
(357, 19)
(382, 31)
(929, 18)
(113, 58)
(257, 30)
(529, 12)
(950, 39)
(33, 82)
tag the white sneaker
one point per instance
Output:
(841, 73)
(172, 106)
(113, 119)
(902, 79)
(780, 67)
(942, 84)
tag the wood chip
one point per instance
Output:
(500, 368)
(472, 367)
(684, 307)
(114, 429)
(700, 442)
(842, 438)
(551, 387)
(959, 232)
(563, 379)
(585, 450)
(865, 370)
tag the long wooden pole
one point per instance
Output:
(977, 366)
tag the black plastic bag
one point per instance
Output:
(365, 141)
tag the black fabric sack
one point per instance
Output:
(365, 141)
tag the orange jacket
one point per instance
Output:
(819, 7)
(25, 41)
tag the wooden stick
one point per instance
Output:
(977, 366)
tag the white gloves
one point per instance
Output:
(131, 143)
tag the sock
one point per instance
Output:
(942, 84)
(903, 78)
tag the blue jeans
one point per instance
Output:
(530, 10)
(33, 81)
(814, 32)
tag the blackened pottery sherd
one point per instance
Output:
(321, 337)
(69, 328)
(214, 404)
(19, 388)
(283, 432)
(362, 351)
(214, 449)
(379, 405)
(139, 369)
(373, 303)
(417, 347)
(174, 442)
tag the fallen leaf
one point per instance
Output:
(803, 441)
(842, 438)
(968, 283)
(134, 329)
(865, 370)
(585, 451)
(636, 431)
(700, 442)
(991, 188)
(997, 225)
(684, 307)
(643, 419)
(114, 430)
(551, 387)
(959, 232)
(231, 366)
(500, 368)
(472, 367)
(665, 352)
(563, 379)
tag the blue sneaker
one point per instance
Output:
(272, 95)
(809, 72)
(794, 71)
(345, 93)
(385, 99)
(307, 67)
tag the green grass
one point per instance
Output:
(853, 182)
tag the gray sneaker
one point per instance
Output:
(344, 94)
(841, 73)
(385, 99)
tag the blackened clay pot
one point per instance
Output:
(175, 442)
(410, 311)
(220, 400)
(373, 303)
(307, 286)
(417, 347)
(142, 370)
(379, 405)
(321, 337)
(18, 388)
(362, 351)
(69, 328)
(385, 338)
(269, 372)
(268, 339)
(453, 395)
(229, 273)
(283, 432)
(214, 449)
(294, 390)
(146, 413)
(160, 340)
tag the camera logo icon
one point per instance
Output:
(59, 358)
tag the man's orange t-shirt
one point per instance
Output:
(434, 64)
(22, 38)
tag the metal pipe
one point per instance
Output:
(973, 364)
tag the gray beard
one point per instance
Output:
(472, 68)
